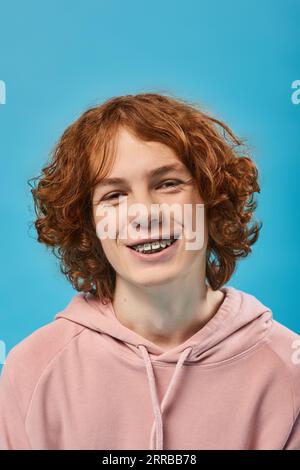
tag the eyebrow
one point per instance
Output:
(157, 172)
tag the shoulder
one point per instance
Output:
(285, 345)
(26, 361)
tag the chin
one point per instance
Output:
(155, 280)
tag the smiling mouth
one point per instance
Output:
(153, 247)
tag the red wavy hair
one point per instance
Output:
(226, 175)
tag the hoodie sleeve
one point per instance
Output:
(12, 427)
(293, 441)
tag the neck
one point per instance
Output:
(166, 314)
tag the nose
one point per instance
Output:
(144, 211)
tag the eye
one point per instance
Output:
(111, 196)
(172, 183)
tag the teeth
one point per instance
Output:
(147, 247)
(155, 245)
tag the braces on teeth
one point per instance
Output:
(149, 247)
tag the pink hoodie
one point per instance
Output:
(85, 381)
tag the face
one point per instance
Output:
(147, 173)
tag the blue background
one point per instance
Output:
(236, 58)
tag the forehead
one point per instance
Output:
(134, 158)
(131, 149)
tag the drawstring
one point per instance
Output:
(158, 422)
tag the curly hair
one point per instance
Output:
(226, 175)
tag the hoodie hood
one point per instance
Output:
(239, 325)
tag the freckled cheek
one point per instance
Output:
(109, 247)
(112, 250)
(107, 223)
(193, 215)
